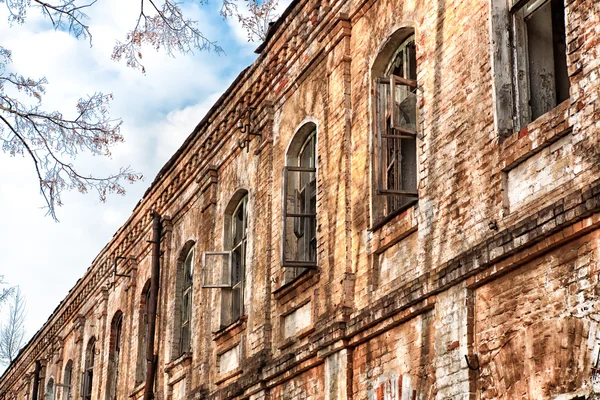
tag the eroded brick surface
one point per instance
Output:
(485, 288)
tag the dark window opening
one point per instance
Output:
(186, 303)
(143, 335)
(542, 78)
(299, 239)
(88, 371)
(114, 356)
(396, 120)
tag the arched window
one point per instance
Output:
(88, 370)
(236, 231)
(186, 302)
(114, 355)
(395, 80)
(50, 389)
(299, 238)
(140, 374)
(67, 379)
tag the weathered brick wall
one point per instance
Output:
(477, 268)
(535, 328)
(397, 364)
(307, 386)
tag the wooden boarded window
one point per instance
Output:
(396, 126)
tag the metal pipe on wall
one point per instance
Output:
(151, 358)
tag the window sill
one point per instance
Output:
(183, 359)
(535, 136)
(137, 389)
(290, 341)
(398, 214)
(228, 375)
(294, 283)
(395, 230)
(239, 324)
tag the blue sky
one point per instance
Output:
(159, 110)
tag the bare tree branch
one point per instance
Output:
(168, 30)
(255, 19)
(5, 293)
(12, 331)
(51, 140)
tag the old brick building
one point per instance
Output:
(415, 216)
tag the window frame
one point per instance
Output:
(393, 194)
(511, 94)
(185, 323)
(229, 315)
(67, 380)
(88, 370)
(522, 64)
(141, 370)
(114, 356)
(300, 218)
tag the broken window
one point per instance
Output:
(396, 128)
(186, 302)
(541, 78)
(299, 238)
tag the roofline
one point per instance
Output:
(275, 27)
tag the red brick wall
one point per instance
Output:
(397, 364)
(534, 327)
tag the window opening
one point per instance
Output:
(233, 296)
(67, 377)
(186, 302)
(50, 389)
(88, 372)
(542, 77)
(115, 356)
(396, 119)
(143, 335)
(299, 248)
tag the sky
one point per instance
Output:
(159, 110)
